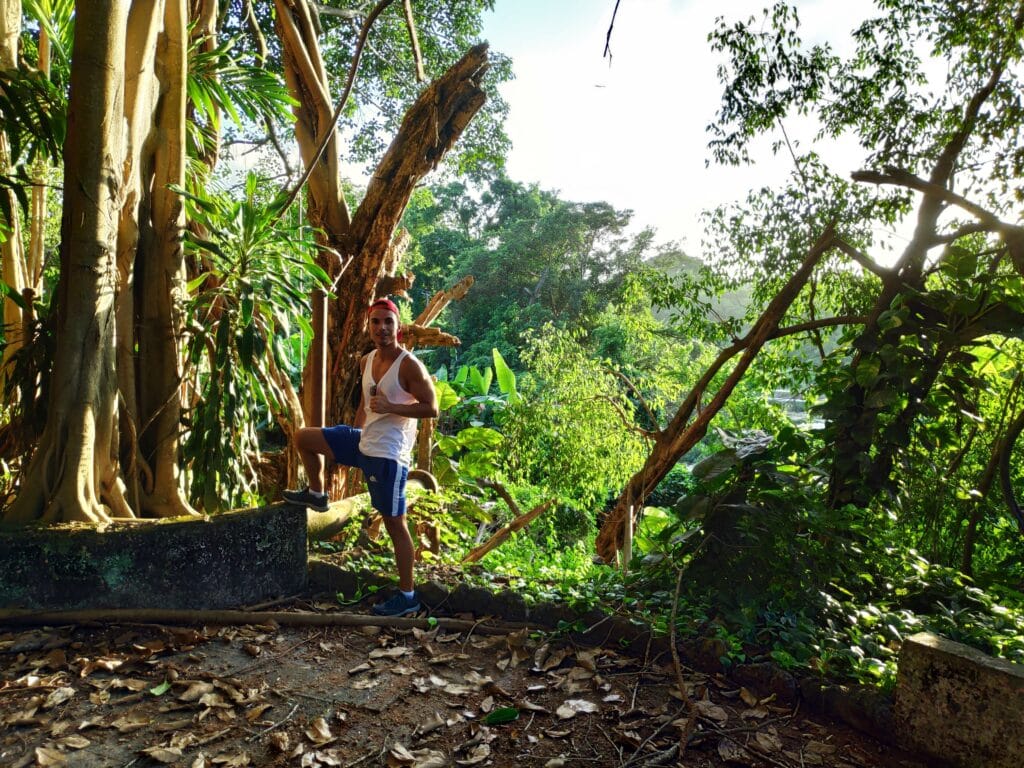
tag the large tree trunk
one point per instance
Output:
(150, 261)
(72, 475)
(160, 280)
(37, 216)
(682, 434)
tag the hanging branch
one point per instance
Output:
(608, 37)
(417, 56)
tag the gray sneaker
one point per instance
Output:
(307, 498)
(398, 605)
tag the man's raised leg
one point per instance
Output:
(312, 447)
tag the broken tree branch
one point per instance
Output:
(499, 538)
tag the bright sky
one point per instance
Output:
(632, 133)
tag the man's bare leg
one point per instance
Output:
(312, 447)
(398, 530)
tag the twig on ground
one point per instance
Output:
(278, 724)
(650, 738)
(214, 736)
(271, 657)
(665, 757)
(271, 603)
(643, 668)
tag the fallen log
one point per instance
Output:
(14, 617)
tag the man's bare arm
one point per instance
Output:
(414, 380)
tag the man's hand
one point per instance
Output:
(380, 404)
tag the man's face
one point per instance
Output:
(383, 326)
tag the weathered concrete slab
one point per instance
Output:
(959, 705)
(234, 559)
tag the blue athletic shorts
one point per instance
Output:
(385, 478)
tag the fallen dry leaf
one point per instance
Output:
(74, 741)
(232, 761)
(733, 753)
(476, 755)
(572, 707)
(257, 711)
(46, 756)
(132, 721)
(711, 711)
(389, 653)
(183, 740)
(430, 758)
(279, 741)
(162, 754)
(768, 741)
(195, 691)
(319, 732)
(58, 696)
(432, 723)
(398, 755)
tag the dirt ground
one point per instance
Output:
(143, 694)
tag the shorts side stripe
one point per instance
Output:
(396, 489)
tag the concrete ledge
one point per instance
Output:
(958, 705)
(234, 559)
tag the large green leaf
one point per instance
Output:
(506, 378)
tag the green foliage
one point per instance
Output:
(535, 259)
(249, 298)
(219, 83)
(569, 433)
(467, 398)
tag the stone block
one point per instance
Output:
(958, 705)
(224, 561)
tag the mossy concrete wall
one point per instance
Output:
(229, 560)
(958, 705)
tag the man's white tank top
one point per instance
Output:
(388, 435)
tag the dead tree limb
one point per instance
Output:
(499, 538)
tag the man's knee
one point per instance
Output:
(395, 524)
(310, 439)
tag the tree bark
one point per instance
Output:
(681, 434)
(161, 284)
(68, 476)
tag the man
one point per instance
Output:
(396, 391)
